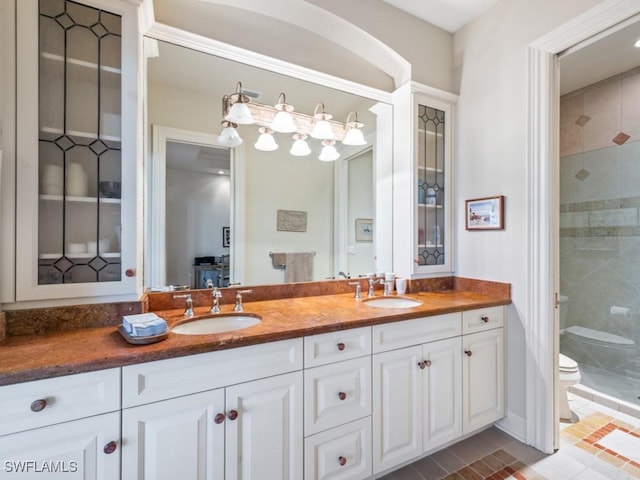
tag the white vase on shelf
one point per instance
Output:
(52, 180)
(77, 185)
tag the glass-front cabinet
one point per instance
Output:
(77, 149)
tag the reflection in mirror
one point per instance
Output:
(243, 226)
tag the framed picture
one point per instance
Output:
(364, 230)
(485, 213)
(226, 237)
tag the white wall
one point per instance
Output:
(490, 70)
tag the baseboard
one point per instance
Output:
(513, 425)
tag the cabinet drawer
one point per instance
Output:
(337, 393)
(482, 319)
(28, 405)
(153, 381)
(336, 346)
(390, 336)
(342, 453)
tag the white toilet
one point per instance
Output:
(568, 371)
(569, 374)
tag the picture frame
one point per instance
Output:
(485, 213)
(226, 237)
(364, 230)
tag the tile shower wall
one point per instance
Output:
(600, 212)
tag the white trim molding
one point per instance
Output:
(542, 200)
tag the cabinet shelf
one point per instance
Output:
(75, 133)
(430, 169)
(422, 245)
(80, 63)
(81, 200)
(429, 205)
(55, 256)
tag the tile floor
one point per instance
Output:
(603, 445)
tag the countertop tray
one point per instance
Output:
(142, 340)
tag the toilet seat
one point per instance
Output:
(567, 365)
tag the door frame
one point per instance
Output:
(542, 337)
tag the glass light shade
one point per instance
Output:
(329, 152)
(300, 148)
(239, 113)
(283, 122)
(266, 142)
(322, 130)
(354, 137)
(229, 137)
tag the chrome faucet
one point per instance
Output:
(358, 293)
(188, 310)
(372, 282)
(238, 306)
(215, 300)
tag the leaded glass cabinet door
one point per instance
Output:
(433, 178)
(78, 165)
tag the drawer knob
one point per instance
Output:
(422, 365)
(233, 414)
(38, 405)
(110, 447)
(130, 272)
(485, 319)
(219, 418)
(468, 353)
(428, 363)
(341, 346)
(342, 461)
(342, 396)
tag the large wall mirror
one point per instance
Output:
(218, 215)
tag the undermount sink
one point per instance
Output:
(217, 323)
(392, 302)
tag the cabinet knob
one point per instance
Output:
(422, 365)
(485, 319)
(219, 418)
(233, 414)
(341, 346)
(428, 363)
(110, 447)
(342, 396)
(38, 405)
(130, 272)
(342, 461)
(467, 353)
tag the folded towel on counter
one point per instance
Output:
(144, 325)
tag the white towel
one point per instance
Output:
(144, 324)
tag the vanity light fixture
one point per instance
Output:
(354, 133)
(239, 112)
(300, 147)
(283, 120)
(229, 136)
(329, 152)
(322, 128)
(266, 142)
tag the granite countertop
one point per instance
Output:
(33, 357)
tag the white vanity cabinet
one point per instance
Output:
(337, 409)
(68, 425)
(232, 414)
(417, 390)
(78, 148)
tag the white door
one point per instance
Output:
(87, 449)
(397, 407)
(442, 392)
(264, 438)
(483, 377)
(181, 438)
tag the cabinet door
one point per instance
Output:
(264, 429)
(87, 449)
(483, 377)
(182, 438)
(76, 149)
(442, 392)
(397, 407)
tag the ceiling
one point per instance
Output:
(449, 15)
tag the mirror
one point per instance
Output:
(217, 216)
